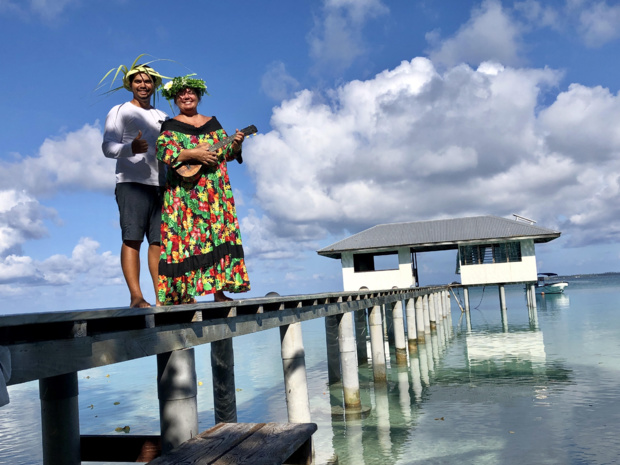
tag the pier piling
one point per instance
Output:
(177, 389)
(412, 333)
(376, 344)
(348, 362)
(399, 333)
(223, 375)
(419, 318)
(432, 311)
(502, 297)
(427, 316)
(60, 419)
(361, 335)
(333, 351)
(295, 379)
(466, 298)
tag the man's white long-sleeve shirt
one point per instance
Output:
(122, 126)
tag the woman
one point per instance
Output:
(201, 251)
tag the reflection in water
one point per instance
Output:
(449, 374)
(382, 415)
(552, 302)
(423, 358)
(544, 391)
(416, 378)
(510, 352)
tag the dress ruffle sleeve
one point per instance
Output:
(169, 149)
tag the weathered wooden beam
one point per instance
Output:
(255, 443)
(123, 335)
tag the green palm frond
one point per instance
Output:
(124, 70)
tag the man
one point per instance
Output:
(131, 130)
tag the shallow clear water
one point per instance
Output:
(539, 388)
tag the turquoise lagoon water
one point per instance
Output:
(539, 388)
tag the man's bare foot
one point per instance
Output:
(220, 297)
(139, 303)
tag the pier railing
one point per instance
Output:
(53, 347)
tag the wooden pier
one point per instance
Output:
(53, 347)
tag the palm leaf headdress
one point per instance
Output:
(127, 72)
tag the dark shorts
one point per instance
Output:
(139, 206)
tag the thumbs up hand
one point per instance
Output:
(139, 145)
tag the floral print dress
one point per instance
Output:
(201, 250)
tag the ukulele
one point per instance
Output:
(187, 171)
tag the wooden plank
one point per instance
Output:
(243, 443)
(42, 359)
(271, 445)
(119, 448)
(211, 444)
(35, 358)
(245, 306)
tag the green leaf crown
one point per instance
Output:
(170, 89)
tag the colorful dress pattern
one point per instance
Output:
(201, 250)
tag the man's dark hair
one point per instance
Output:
(131, 78)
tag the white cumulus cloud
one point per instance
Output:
(414, 144)
(71, 162)
(337, 40)
(489, 35)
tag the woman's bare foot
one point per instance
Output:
(220, 297)
(139, 303)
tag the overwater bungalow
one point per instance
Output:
(490, 250)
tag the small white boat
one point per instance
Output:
(543, 286)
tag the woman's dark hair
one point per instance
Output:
(181, 90)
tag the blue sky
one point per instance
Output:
(369, 112)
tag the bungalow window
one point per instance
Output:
(375, 262)
(490, 253)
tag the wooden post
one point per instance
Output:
(223, 375)
(177, 390)
(376, 344)
(419, 318)
(399, 333)
(412, 333)
(60, 420)
(333, 353)
(361, 334)
(348, 362)
(295, 380)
